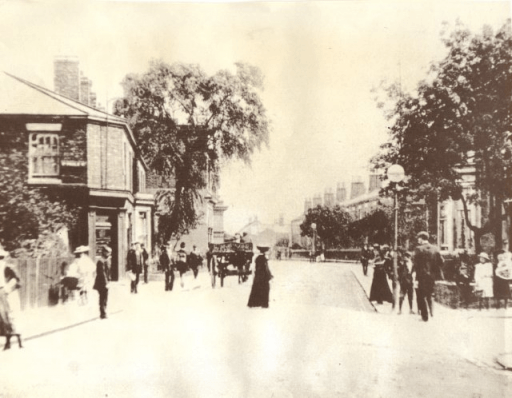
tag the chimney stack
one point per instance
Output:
(66, 78)
(70, 82)
(341, 193)
(357, 188)
(329, 197)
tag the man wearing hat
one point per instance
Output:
(134, 262)
(427, 263)
(167, 267)
(103, 278)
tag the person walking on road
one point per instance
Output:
(427, 262)
(10, 305)
(134, 266)
(145, 263)
(180, 259)
(483, 280)
(102, 280)
(195, 260)
(406, 280)
(167, 267)
(379, 290)
(366, 256)
(260, 291)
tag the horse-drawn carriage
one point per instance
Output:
(227, 259)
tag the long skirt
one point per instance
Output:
(380, 289)
(501, 288)
(259, 294)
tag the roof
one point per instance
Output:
(361, 199)
(19, 97)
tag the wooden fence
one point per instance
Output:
(38, 276)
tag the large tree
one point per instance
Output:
(456, 118)
(186, 122)
(331, 226)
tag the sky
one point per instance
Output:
(320, 61)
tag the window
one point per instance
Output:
(44, 155)
(143, 225)
(142, 181)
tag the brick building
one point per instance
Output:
(88, 155)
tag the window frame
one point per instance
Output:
(39, 149)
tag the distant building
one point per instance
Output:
(264, 233)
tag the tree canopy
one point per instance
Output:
(456, 119)
(331, 226)
(186, 122)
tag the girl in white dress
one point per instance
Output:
(484, 279)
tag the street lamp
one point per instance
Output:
(395, 174)
(507, 154)
(313, 227)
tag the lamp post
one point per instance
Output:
(313, 227)
(395, 174)
(507, 155)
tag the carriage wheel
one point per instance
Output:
(212, 272)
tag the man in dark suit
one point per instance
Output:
(427, 263)
(134, 264)
(103, 279)
(145, 258)
(167, 266)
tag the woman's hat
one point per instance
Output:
(263, 248)
(484, 255)
(81, 249)
(423, 235)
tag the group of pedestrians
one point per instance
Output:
(490, 282)
(416, 274)
(81, 275)
(179, 261)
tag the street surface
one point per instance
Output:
(319, 338)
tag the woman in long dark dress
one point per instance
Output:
(261, 284)
(380, 291)
(502, 285)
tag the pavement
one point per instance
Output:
(38, 322)
(481, 337)
(319, 338)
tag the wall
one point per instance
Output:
(73, 151)
(108, 165)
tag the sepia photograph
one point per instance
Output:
(245, 199)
